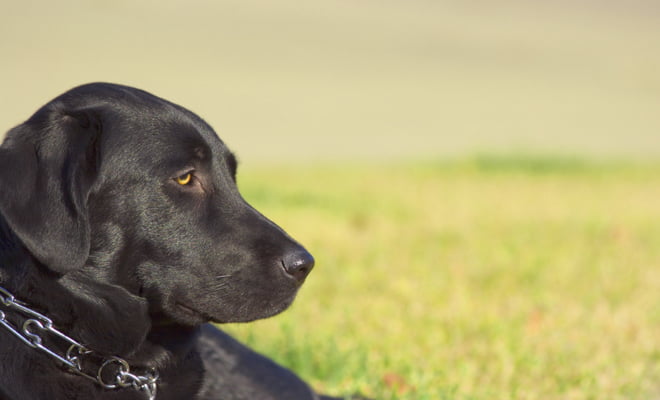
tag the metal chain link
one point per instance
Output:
(36, 326)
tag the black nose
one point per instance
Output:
(298, 264)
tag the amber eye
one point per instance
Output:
(184, 179)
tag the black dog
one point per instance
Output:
(121, 222)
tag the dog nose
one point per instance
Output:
(298, 264)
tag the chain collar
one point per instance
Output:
(114, 372)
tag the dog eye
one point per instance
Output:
(184, 179)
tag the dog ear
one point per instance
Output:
(47, 167)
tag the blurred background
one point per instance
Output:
(478, 180)
(292, 81)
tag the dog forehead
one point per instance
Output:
(145, 123)
(161, 141)
(135, 111)
(140, 129)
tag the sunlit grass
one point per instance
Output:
(483, 278)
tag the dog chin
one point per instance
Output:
(260, 313)
(254, 313)
(188, 315)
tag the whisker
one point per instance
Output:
(218, 285)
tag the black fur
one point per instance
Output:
(97, 233)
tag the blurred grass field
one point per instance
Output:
(306, 81)
(487, 278)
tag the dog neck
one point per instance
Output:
(103, 316)
(13, 260)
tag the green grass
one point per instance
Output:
(450, 281)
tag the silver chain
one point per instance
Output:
(37, 325)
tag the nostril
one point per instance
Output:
(298, 264)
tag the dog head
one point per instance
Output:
(128, 189)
